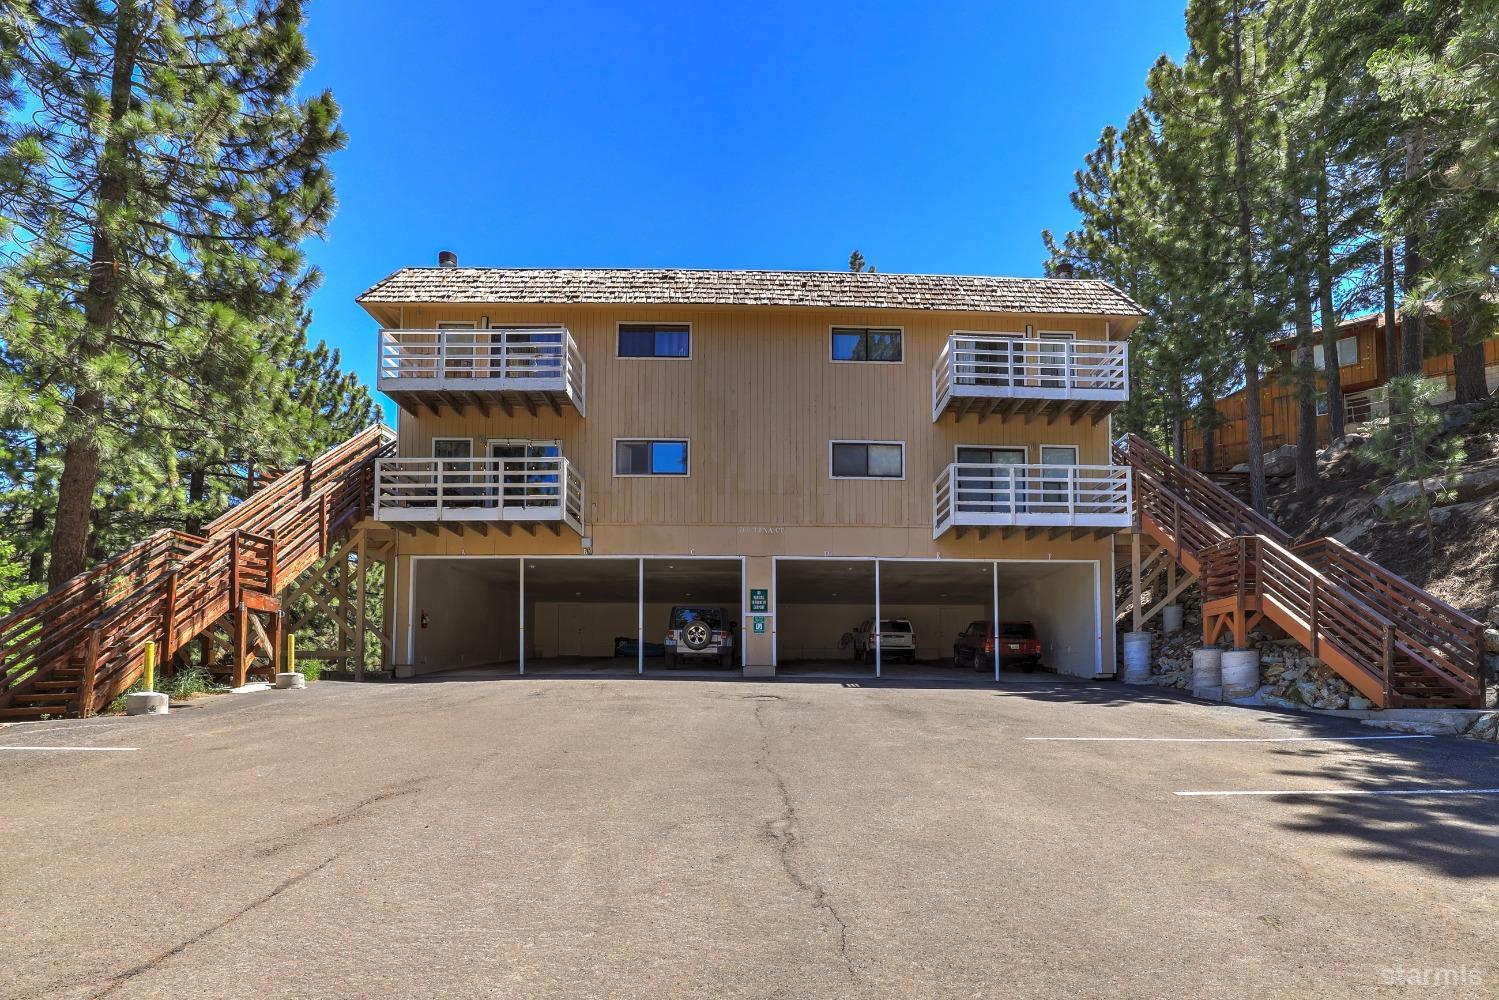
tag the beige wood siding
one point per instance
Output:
(760, 400)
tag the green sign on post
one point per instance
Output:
(759, 602)
(759, 623)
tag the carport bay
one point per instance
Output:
(819, 603)
(550, 613)
(547, 613)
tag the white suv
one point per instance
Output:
(897, 639)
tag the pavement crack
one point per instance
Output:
(122, 978)
(280, 844)
(782, 833)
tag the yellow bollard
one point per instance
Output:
(291, 652)
(150, 666)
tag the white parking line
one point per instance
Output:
(1220, 739)
(1350, 791)
(78, 749)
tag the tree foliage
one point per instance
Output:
(158, 174)
(1268, 181)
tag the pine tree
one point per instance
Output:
(158, 175)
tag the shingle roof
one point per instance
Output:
(838, 289)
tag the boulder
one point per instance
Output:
(1241, 467)
(1491, 640)
(1470, 484)
(1343, 449)
(1281, 462)
(1456, 416)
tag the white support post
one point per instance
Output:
(879, 645)
(523, 617)
(994, 571)
(640, 619)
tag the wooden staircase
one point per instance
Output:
(1396, 644)
(76, 648)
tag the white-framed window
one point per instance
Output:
(451, 455)
(1055, 459)
(652, 457)
(654, 340)
(875, 344)
(1347, 353)
(452, 447)
(867, 459)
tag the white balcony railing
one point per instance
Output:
(537, 360)
(970, 366)
(479, 489)
(1056, 496)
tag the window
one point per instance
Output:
(862, 343)
(1347, 354)
(650, 457)
(452, 448)
(655, 340)
(868, 460)
(1322, 404)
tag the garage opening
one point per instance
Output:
(823, 610)
(692, 615)
(576, 609)
(936, 619)
(595, 615)
(1061, 603)
(937, 603)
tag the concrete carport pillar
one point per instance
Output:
(759, 647)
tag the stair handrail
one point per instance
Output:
(1427, 630)
(55, 626)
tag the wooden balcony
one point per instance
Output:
(1010, 376)
(508, 369)
(1081, 499)
(478, 493)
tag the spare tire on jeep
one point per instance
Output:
(696, 635)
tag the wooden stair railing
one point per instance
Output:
(76, 648)
(1394, 642)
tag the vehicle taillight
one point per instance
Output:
(989, 646)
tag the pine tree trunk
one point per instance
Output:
(1467, 362)
(1253, 419)
(1391, 316)
(1209, 429)
(36, 567)
(1413, 339)
(1253, 423)
(1306, 393)
(1336, 418)
(80, 468)
(195, 492)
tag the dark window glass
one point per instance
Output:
(654, 340)
(850, 460)
(1017, 630)
(713, 617)
(895, 625)
(876, 461)
(852, 343)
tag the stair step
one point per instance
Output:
(56, 685)
(44, 698)
(30, 713)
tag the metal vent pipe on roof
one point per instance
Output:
(447, 258)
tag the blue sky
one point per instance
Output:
(933, 137)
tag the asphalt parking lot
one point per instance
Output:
(725, 838)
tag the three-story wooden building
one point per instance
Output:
(582, 450)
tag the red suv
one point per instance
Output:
(1019, 646)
